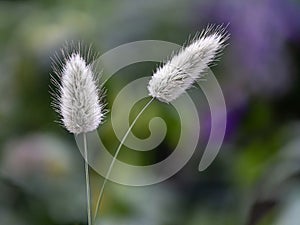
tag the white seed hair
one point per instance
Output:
(188, 65)
(77, 100)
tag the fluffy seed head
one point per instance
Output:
(188, 65)
(77, 100)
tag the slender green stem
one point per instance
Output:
(115, 157)
(87, 180)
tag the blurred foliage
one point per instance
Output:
(253, 181)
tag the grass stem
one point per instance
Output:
(115, 157)
(87, 180)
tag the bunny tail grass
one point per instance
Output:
(77, 99)
(188, 65)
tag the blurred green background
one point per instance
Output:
(255, 178)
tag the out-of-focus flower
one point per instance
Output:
(46, 167)
(36, 156)
(260, 31)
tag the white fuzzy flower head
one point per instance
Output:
(78, 101)
(188, 65)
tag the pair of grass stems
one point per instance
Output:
(78, 102)
(86, 167)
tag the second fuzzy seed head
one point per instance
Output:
(183, 69)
